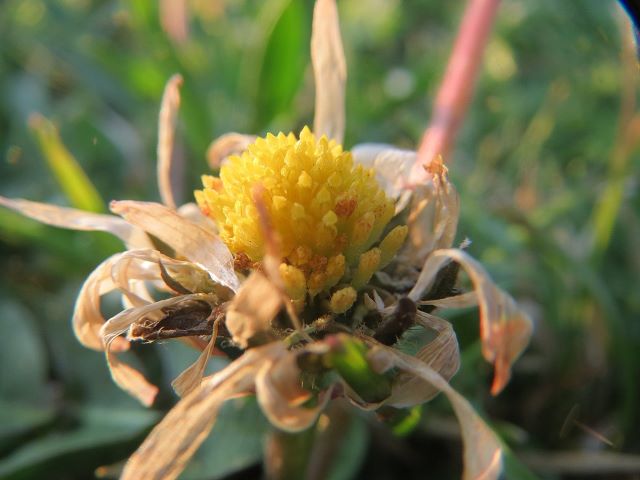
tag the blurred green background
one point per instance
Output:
(546, 164)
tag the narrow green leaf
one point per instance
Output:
(72, 179)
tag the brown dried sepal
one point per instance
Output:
(252, 310)
(189, 318)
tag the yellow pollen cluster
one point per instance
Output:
(327, 211)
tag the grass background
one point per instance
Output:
(546, 165)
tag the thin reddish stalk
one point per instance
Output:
(457, 85)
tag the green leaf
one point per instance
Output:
(23, 364)
(103, 436)
(69, 174)
(285, 59)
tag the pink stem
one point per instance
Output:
(456, 88)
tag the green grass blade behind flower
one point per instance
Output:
(72, 179)
(281, 58)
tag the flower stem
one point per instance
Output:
(287, 454)
(456, 88)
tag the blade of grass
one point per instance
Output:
(72, 179)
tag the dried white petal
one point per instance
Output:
(504, 328)
(392, 165)
(464, 300)
(280, 394)
(87, 316)
(130, 379)
(482, 450)
(124, 375)
(167, 449)
(166, 133)
(433, 218)
(441, 354)
(75, 219)
(194, 242)
(191, 377)
(330, 71)
(252, 309)
(225, 146)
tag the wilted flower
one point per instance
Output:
(310, 259)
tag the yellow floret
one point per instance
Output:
(342, 300)
(326, 210)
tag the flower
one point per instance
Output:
(327, 212)
(312, 261)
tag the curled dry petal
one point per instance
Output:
(192, 212)
(167, 449)
(166, 133)
(504, 328)
(464, 300)
(433, 218)
(87, 316)
(191, 377)
(126, 272)
(329, 70)
(251, 311)
(74, 219)
(225, 146)
(441, 355)
(392, 165)
(125, 376)
(280, 394)
(188, 239)
(482, 450)
(131, 380)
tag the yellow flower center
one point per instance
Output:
(328, 212)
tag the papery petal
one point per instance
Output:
(392, 165)
(124, 375)
(441, 354)
(251, 311)
(191, 377)
(87, 316)
(171, 444)
(225, 146)
(192, 212)
(192, 241)
(130, 379)
(120, 323)
(464, 300)
(166, 132)
(482, 450)
(504, 328)
(280, 395)
(75, 219)
(329, 70)
(433, 218)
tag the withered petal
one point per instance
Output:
(226, 145)
(505, 329)
(166, 132)
(194, 242)
(74, 219)
(392, 165)
(482, 449)
(329, 70)
(165, 452)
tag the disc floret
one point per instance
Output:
(328, 212)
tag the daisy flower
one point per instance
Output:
(305, 263)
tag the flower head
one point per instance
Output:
(293, 224)
(328, 212)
